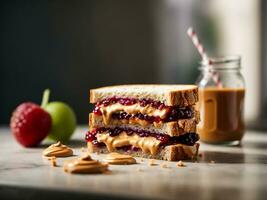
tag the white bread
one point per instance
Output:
(174, 128)
(170, 153)
(170, 95)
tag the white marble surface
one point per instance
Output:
(238, 173)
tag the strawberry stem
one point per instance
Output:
(45, 99)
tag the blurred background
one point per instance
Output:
(72, 46)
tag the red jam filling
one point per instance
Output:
(174, 112)
(187, 139)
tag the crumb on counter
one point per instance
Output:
(180, 164)
(164, 165)
(139, 169)
(53, 161)
(108, 172)
(212, 161)
(142, 160)
(152, 162)
(51, 158)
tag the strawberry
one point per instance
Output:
(30, 124)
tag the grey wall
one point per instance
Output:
(264, 59)
(71, 46)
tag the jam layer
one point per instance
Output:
(187, 139)
(173, 113)
(131, 101)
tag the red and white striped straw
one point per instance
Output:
(192, 34)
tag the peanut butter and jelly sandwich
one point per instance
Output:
(152, 121)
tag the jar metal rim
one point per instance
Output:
(223, 62)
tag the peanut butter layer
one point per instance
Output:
(58, 150)
(84, 165)
(146, 144)
(107, 111)
(119, 159)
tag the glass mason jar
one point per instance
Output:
(221, 103)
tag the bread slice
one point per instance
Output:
(170, 95)
(175, 128)
(170, 153)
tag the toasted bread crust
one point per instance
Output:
(170, 153)
(175, 128)
(180, 95)
(183, 98)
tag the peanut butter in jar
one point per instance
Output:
(221, 106)
(221, 113)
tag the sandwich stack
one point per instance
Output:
(151, 121)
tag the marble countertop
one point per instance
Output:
(220, 173)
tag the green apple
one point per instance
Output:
(63, 119)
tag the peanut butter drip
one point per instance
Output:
(84, 165)
(58, 150)
(147, 144)
(119, 159)
(107, 111)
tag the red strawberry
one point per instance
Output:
(30, 124)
